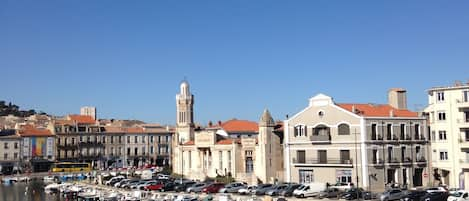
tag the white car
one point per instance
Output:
(459, 196)
(342, 186)
(436, 189)
(162, 176)
(247, 190)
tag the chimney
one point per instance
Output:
(219, 123)
(397, 98)
(210, 124)
(391, 113)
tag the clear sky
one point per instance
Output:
(127, 58)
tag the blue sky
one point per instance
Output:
(127, 58)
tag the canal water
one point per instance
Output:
(26, 191)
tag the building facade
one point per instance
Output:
(38, 148)
(10, 149)
(448, 114)
(365, 144)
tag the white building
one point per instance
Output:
(88, 111)
(448, 112)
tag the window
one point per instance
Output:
(433, 135)
(120, 139)
(128, 151)
(135, 151)
(402, 129)
(143, 150)
(442, 135)
(374, 132)
(112, 139)
(81, 139)
(465, 96)
(443, 155)
(88, 139)
(151, 149)
(300, 156)
(441, 116)
(167, 139)
(15, 155)
(345, 156)
(440, 96)
(151, 139)
(300, 130)
(466, 134)
(322, 156)
(128, 139)
(375, 156)
(16, 145)
(5, 156)
(112, 150)
(229, 161)
(389, 131)
(417, 131)
(305, 176)
(344, 129)
(136, 139)
(249, 162)
(104, 139)
(120, 151)
(143, 139)
(390, 154)
(220, 160)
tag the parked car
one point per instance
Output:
(129, 183)
(393, 194)
(275, 190)
(414, 195)
(137, 184)
(262, 189)
(114, 180)
(143, 185)
(436, 189)
(232, 187)
(181, 187)
(288, 191)
(197, 187)
(247, 190)
(309, 190)
(435, 196)
(213, 188)
(459, 196)
(157, 186)
(330, 193)
(121, 182)
(342, 186)
(162, 176)
(355, 193)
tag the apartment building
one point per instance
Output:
(366, 144)
(10, 151)
(448, 115)
(80, 138)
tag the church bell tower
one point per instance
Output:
(185, 114)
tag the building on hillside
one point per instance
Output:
(211, 152)
(366, 144)
(38, 148)
(448, 115)
(79, 139)
(10, 151)
(89, 111)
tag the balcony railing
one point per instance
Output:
(393, 160)
(324, 161)
(67, 146)
(421, 159)
(320, 138)
(377, 137)
(91, 144)
(378, 162)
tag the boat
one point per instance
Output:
(48, 179)
(24, 179)
(52, 188)
(9, 180)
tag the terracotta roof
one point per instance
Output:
(134, 130)
(81, 119)
(372, 110)
(189, 143)
(32, 131)
(64, 122)
(235, 125)
(225, 141)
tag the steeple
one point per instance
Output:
(266, 119)
(184, 113)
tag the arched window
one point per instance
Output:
(344, 129)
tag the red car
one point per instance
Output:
(213, 188)
(159, 186)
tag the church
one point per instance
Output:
(201, 153)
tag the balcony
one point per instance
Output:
(421, 161)
(464, 143)
(328, 162)
(393, 162)
(464, 163)
(463, 123)
(461, 103)
(407, 161)
(420, 139)
(394, 139)
(67, 146)
(91, 144)
(376, 138)
(379, 163)
(320, 138)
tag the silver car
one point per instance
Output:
(393, 194)
(232, 187)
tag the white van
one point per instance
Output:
(309, 190)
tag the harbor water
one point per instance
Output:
(26, 191)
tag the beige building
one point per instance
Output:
(366, 144)
(89, 111)
(448, 112)
(10, 151)
(212, 152)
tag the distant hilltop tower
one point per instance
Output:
(88, 111)
(185, 114)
